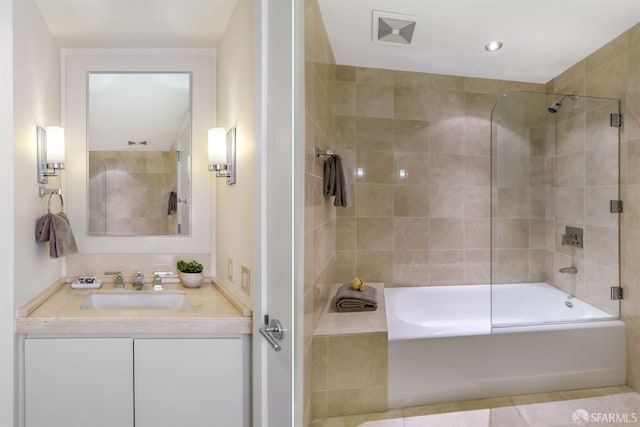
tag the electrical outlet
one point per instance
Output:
(245, 279)
(230, 269)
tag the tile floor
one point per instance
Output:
(606, 406)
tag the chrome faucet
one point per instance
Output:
(138, 281)
(119, 282)
(157, 282)
(157, 279)
(569, 270)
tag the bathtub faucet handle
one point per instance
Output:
(569, 270)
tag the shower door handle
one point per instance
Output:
(272, 332)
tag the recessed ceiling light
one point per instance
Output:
(493, 45)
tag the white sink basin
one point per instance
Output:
(136, 301)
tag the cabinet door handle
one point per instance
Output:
(273, 332)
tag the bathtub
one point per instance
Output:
(443, 346)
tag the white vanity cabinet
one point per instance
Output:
(188, 382)
(136, 381)
(78, 382)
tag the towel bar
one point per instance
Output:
(51, 192)
(317, 152)
(61, 202)
(44, 191)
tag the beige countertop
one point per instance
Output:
(334, 323)
(58, 310)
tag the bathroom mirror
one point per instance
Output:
(84, 148)
(139, 149)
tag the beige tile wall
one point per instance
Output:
(319, 213)
(614, 71)
(137, 184)
(418, 148)
(349, 374)
(523, 147)
(586, 180)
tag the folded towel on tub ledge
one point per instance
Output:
(349, 300)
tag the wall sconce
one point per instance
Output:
(222, 153)
(50, 152)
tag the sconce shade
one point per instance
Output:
(49, 152)
(217, 146)
(55, 146)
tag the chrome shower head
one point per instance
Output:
(555, 105)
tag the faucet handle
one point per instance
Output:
(138, 281)
(163, 273)
(113, 273)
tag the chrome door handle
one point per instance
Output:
(271, 332)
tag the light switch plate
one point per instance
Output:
(245, 279)
(230, 269)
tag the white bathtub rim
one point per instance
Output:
(479, 323)
(557, 326)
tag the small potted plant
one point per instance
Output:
(190, 273)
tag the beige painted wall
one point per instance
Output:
(7, 340)
(36, 83)
(614, 71)
(30, 94)
(234, 106)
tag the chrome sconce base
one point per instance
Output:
(219, 170)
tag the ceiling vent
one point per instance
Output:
(392, 27)
(138, 142)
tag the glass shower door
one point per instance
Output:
(555, 241)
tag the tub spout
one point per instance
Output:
(569, 270)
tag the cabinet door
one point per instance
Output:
(82, 382)
(188, 382)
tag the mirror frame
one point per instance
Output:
(77, 64)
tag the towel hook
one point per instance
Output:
(59, 194)
(317, 152)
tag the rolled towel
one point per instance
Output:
(349, 300)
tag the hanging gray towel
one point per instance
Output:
(335, 182)
(350, 300)
(56, 229)
(172, 203)
(61, 241)
(42, 228)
